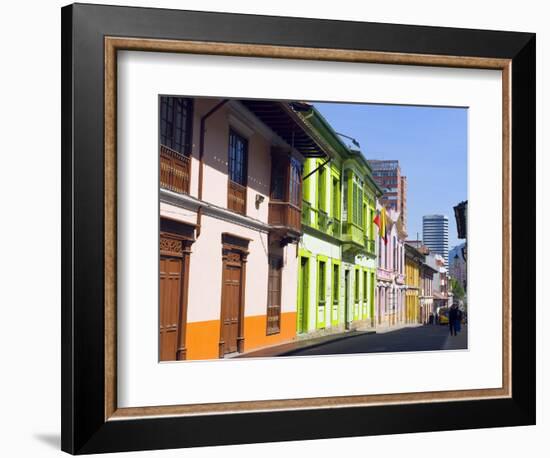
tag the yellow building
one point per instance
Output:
(413, 261)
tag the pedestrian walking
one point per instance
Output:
(454, 321)
(458, 324)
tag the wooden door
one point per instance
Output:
(231, 303)
(274, 285)
(170, 300)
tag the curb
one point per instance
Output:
(319, 344)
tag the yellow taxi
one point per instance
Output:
(443, 315)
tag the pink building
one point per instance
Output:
(390, 286)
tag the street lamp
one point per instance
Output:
(353, 140)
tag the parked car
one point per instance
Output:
(443, 315)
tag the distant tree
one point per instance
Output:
(458, 290)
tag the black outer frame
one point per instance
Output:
(84, 429)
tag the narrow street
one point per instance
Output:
(421, 338)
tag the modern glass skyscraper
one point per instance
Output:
(435, 235)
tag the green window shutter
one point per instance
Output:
(356, 285)
(335, 198)
(365, 297)
(335, 283)
(354, 202)
(320, 188)
(307, 183)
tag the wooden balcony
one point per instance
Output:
(284, 215)
(236, 197)
(174, 170)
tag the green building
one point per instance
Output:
(337, 265)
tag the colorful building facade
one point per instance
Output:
(442, 296)
(230, 220)
(267, 232)
(336, 277)
(413, 262)
(390, 289)
(427, 272)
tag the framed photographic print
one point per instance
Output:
(284, 228)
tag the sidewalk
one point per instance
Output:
(382, 329)
(287, 349)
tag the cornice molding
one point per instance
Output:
(191, 203)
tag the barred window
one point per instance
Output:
(295, 182)
(176, 120)
(238, 155)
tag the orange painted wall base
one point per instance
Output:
(203, 337)
(255, 331)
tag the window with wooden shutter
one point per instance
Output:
(274, 294)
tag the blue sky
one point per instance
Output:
(430, 144)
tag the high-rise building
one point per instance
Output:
(387, 174)
(435, 235)
(403, 209)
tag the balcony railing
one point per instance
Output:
(284, 214)
(370, 245)
(385, 275)
(174, 170)
(353, 233)
(236, 197)
(336, 228)
(322, 220)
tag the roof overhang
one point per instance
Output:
(288, 125)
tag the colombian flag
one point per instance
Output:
(380, 221)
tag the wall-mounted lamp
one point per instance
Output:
(259, 200)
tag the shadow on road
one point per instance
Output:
(423, 338)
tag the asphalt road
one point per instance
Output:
(422, 338)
